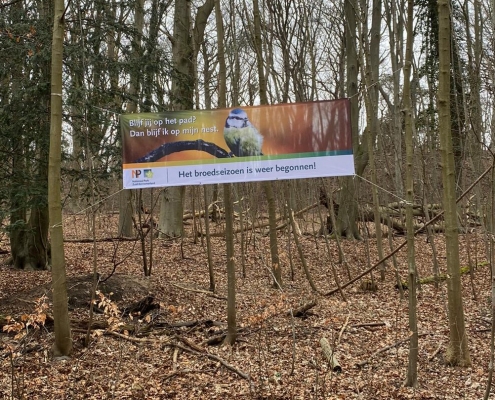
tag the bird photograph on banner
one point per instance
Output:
(241, 136)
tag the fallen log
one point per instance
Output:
(442, 277)
(141, 307)
(302, 311)
(104, 325)
(330, 355)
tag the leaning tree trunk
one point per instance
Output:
(63, 340)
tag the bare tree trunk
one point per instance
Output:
(222, 102)
(227, 194)
(258, 46)
(300, 251)
(29, 215)
(395, 23)
(347, 215)
(186, 43)
(125, 213)
(171, 211)
(229, 234)
(208, 242)
(371, 61)
(492, 264)
(457, 351)
(182, 97)
(63, 340)
(412, 370)
(125, 201)
(491, 223)
(267, 186)
(272, 220)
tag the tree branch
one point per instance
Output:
(175, 147)
(431, 221)
(9, 4)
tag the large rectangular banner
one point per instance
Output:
(284, 141)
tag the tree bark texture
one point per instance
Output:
(63, 340)
(412, 369)
(457, 350)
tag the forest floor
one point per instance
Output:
(167, 353)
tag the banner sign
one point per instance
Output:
(284, 141)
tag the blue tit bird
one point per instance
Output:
(241, 136)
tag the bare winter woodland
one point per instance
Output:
(373, 286)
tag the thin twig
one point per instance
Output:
(212, 357)
(342, 330)
(129, 338)
(435, 352)
(368, 324)
(207, 292)
(383, 349)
